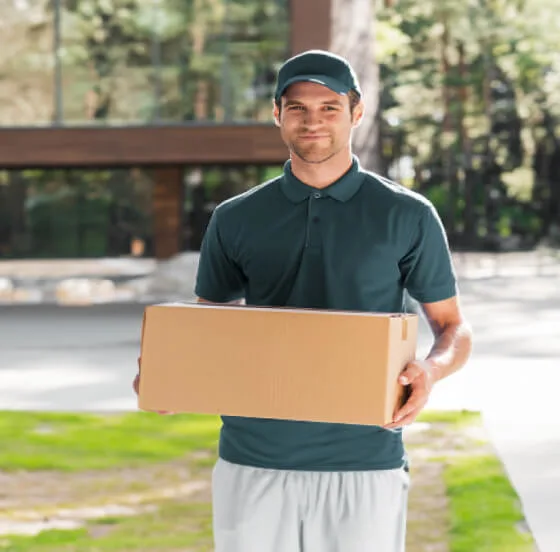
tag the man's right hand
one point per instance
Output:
(136, 384)
(136, 387)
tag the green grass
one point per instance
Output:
(71, 442)
(485, 510)
(176, 526)
(457, 418)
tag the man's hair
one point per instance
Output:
(353, 98)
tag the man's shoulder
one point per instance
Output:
(392, 193)
(248, 201)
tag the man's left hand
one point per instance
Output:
(417, 374)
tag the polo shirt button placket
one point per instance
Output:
(313, 229)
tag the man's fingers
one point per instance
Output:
(404, 421)
(408, 413)
(408, 409)
(136, 382)
(415, 375)
(410, 373)
(416, 402)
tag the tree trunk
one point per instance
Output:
(450, 173)
(352, 36)
(469, 179)
(198, 45)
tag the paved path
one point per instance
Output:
(513, 378)
(84, 359)
(68, 358)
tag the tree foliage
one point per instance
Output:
(470, 95)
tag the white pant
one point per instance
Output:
(264, 510)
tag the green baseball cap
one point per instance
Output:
(318, 66)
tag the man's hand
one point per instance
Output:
(417, 374)
(136, 387)
(136, 384)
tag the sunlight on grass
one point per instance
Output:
(72, 442)
(176, 526)
(458, 418)
(484, 508)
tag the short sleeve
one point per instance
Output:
(427, 268)
(219, 279)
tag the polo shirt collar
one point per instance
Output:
(342, 189)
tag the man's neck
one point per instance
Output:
(321, 175)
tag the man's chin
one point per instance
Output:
(311, 156)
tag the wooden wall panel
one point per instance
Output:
(140, 146)
(168, 211)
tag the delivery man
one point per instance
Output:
(325, 234)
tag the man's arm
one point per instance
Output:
(451, 350)
(453, 337)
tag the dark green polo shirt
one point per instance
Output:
(355, 245)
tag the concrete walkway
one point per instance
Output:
(513, 379)
(83, 359)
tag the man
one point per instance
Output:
(326, 235)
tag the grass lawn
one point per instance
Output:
(484, 509)
(460, 499)
(70, 442)
(175, 527)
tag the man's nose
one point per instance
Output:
(312, 118)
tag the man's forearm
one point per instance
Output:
(451, 350)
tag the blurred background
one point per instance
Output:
(463, 101)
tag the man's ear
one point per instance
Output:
(276, 113)
(358, 114)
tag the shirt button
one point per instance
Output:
(317, 195)
(315, 220)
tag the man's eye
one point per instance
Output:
(296, 108)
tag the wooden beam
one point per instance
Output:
(168, 211)
(310, 25)
(140, 146)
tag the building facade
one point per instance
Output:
(122, 126)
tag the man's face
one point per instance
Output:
(315, 122)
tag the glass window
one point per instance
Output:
(73, 213)
(118, 62)
(107, 213)
(149, 61)
(107, 77)
(26, 63)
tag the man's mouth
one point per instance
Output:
(311, 137)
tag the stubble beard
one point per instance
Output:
(313, 154)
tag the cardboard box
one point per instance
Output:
(296, 364)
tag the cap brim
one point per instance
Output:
(334, 84)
